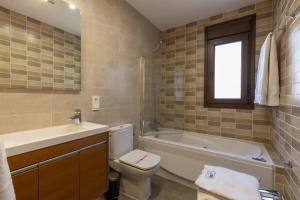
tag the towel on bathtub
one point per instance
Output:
(228, 183)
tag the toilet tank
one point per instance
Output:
(120, 141)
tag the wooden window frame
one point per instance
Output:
(242, 29)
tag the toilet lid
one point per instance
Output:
(140, 159)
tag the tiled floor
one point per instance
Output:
(163, 189)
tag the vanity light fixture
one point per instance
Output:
(72, 6)
(49, 1)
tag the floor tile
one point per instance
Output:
(163, 189)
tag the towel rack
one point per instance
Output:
(283, 28)
(292, 17)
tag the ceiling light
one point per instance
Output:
(72, 6)
(45, 0)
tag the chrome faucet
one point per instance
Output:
(76, 117)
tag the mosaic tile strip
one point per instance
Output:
(35, 55)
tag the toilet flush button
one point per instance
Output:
(95, 103)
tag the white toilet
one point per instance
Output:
(136, 166)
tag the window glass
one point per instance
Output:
(228, 71)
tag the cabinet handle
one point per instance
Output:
(69, 154)
(27, 168)
(58, 158)
(24, 169)
(93, 145)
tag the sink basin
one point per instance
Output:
(25, 141)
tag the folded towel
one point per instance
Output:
(267, 79)
(6, 185)
(228, 183)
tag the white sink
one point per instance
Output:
(25, 141)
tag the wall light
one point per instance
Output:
(49, 1)
(72, 6)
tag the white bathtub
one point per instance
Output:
(184, 154)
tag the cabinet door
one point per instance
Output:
(26, 185)
(59, 179)
(93, 172)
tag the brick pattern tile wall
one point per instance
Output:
(286, 119)
(182, 81)
(35, 55)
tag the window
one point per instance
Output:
(229, 64)
(228, 70)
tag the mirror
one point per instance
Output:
(40, 45)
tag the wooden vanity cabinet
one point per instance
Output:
(69, 171)
(93, 169)
(26, 184)
(59, 179)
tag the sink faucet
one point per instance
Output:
(76, 117)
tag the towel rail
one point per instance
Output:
(292, 17)
(27, 168)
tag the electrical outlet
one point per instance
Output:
(95, 103)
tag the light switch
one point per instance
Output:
(95, 103)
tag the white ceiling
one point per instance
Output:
(58, 14)
(165, 14)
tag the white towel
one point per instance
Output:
(228, 183)
(6, 185)
(267, 79)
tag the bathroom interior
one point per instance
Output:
(158, 100)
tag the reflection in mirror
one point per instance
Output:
(40, 45)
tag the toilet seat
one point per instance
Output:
(140, 159)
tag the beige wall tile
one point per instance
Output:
(24, 122)
(65, 102)
(24, 103)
